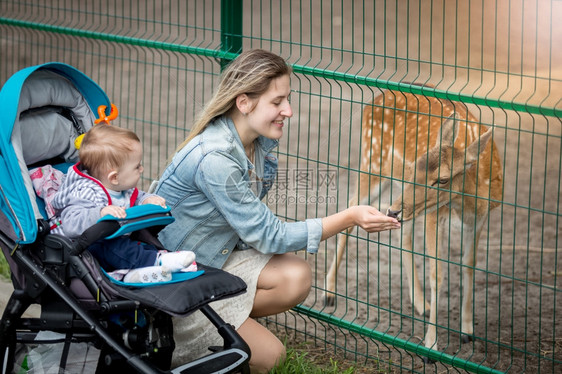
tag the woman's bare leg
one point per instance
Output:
(283, 283)
(267, 350)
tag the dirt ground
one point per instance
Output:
(456, 48)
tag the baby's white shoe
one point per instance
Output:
(175, 261)
(149, 274)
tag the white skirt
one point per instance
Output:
(195, 333)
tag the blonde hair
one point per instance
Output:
(250, 73)
(106, 147)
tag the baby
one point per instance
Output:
(104, 182)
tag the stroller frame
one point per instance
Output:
(76, 298)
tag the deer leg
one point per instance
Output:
(329, 295)
(471, 237)
(416, 293)
(435, 277)
(367, 183)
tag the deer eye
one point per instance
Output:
(441, 181)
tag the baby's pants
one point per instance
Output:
(123, 253)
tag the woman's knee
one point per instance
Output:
(289, 275)
(298, 278)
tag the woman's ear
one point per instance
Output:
(243, 103)
(112, 177)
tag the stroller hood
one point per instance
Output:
(29, 133)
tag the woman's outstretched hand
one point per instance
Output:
(371, 219)
(364, 216)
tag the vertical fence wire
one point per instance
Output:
(160, 63)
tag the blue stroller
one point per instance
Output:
(44, 109)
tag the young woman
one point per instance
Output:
(214, 185)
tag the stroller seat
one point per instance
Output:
(45, 108)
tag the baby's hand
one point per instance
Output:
(114, 210)
(156, 200)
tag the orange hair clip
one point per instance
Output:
(103, 118)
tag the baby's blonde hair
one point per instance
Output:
(106, 147)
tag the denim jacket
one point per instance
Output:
(216, 204)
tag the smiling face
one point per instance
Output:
(265, 115)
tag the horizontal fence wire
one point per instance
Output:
(161, 62)
(299, 69)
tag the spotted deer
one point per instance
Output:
(451, 170)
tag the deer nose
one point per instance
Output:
(394, 214)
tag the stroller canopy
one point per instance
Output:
(31, 130)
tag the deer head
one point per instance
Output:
(439, 176)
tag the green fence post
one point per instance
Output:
(231, 28)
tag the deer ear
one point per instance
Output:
(448, 131)
(473, 150)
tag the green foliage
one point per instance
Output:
(4, 268)
(298, 362)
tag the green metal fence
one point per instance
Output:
(160, 61)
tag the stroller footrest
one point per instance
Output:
(222, 362)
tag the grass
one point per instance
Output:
(4, 269)
(298, 361)
(305, 357)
